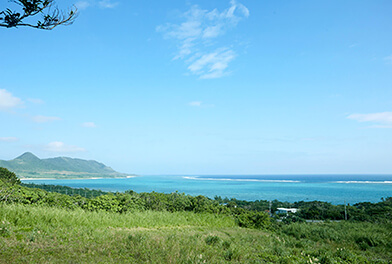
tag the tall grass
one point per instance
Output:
(33, 234)
(39, 234)
(48, 217)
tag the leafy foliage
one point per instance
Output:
(84, 192)
(50, 17)
(378, 212)
(318, 210)
(8, 180)
(250, 219)
(8, 176)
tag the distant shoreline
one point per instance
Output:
(89, 178)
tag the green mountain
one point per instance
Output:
(28, 165)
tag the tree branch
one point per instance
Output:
(51, 18)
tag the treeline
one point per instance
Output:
(258, 205)
(85, 192)
(317, 210)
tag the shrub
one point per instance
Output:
(8, 176)
(251, 219)
(212, 240)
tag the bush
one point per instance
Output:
(8, 176)
(251, 219)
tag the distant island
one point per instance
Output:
(29, 166)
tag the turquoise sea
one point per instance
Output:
(336, 189)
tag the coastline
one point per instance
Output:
(87, 178)
(265, 188)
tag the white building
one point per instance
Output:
(286, 210)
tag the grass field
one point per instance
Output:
(39, 234)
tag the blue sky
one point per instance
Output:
(204, 87)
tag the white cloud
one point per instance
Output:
(382, 120)
(198, 38)
(212, 65)
(89, 124)
(58, 146)
(45, 119)
(8, 139)
(8, 101)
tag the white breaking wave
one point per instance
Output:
(364, 182)
(244, 180)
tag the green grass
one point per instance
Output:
(39, 234)
(49, 217)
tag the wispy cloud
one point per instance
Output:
(60, 147)
(107, 4)
(199, 104)
(45, 119)
(196, 103)
(381, 120)
(89, 124)
(198, 35)
(81, 5)
(8, 139)
(35, 101)
(212, 65)
(8, 101)
(388, 59)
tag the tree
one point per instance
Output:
(8, 176)
(51, 16)
(8, 179)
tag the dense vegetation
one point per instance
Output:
(60, 225)
(314, 210)
(85, 192)
(8, 177)
(317, 210)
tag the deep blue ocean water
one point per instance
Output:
(336, 189)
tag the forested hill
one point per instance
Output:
(30, 166)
